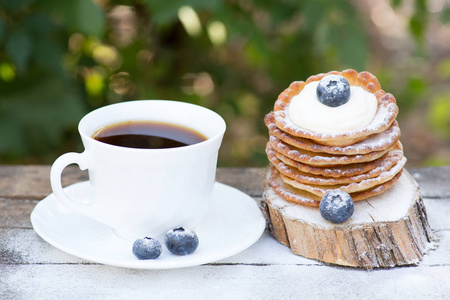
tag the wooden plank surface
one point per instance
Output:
(434, 182)
(32, 182)
(32, 269)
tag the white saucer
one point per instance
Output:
(232, 224)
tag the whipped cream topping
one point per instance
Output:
(306, 111)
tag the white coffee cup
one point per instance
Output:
(145, 192)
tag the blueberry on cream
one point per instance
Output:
(332, 106)
(333, 90)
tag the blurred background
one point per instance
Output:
(62, 59)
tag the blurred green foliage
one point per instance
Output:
(61, 59)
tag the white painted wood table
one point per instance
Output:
(30, 268)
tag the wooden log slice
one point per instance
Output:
(387, 230)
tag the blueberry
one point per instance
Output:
(333, 90)
(336, 206)
(181, 241)
(147, 248)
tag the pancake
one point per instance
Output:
(385, 164)
(321, 159)
(321, 190)
(328, 171)
(290, 193)
(385, 115)
(376, 142)
(306, 165)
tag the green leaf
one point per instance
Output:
(343, 40)
(18, 48)
(2, 29)
(38, 114)
(445, 16)
(91, 18)
(313, 12)
(48, 55)
(14, 5)
(418, 21)
(38, 23)
(352, 45)
(443, 69)
(321, 37)
(13, 140)
(257, 51)
(82, 16)
(396, 3)
(88, 18)
(417, 85)
(417, 26)
(438, 116)
(205, 4)
(164, 12)
(421, 5)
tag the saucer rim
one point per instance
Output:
(259, 225)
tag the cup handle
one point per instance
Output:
(55, 178)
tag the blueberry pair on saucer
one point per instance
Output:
(178, 241)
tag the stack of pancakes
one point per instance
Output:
(305, 165)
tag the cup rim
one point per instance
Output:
(212, 139)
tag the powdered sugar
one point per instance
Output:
(375, 142)
(306, 111)
(382, 119)
(302, 155)
(384, 165)
(391, 205)
(385, 115)
(316, 159)
(351, 187)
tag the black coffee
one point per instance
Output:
(148, 135)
